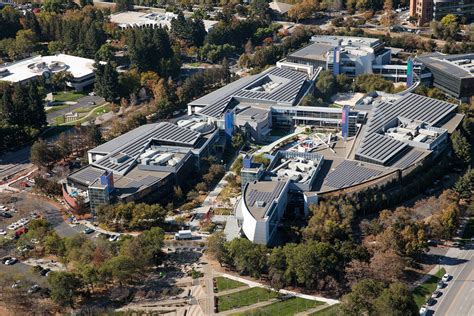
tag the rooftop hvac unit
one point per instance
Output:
(119, 158)
(163, 158)
(260, 203)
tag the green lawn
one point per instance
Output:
(68, 96)
(58, 120)
(287, 307)
(332, 310)
(244, 298)
(224, 284)
(423, 291)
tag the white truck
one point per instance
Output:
(183, 234)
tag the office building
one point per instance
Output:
(356, 55)
(81, 69)
(143, 164)
(453, 74)
(269, 100)
(427, 10)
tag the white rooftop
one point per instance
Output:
(36, 66)
(139, 19)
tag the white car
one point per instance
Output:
(12, 226)
(2, 232)
(114, 237)
(423, 311)
(445, 277)
(11, 261)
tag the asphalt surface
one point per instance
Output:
(81, 103)
(458, 295)
(14, 162)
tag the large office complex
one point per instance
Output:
(352, 56)
(400, 132)
(428, 10)
(141, 165)
(453, 74)
(268, 100)
(81, 69)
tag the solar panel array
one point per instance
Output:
(164, 132)
(380, 148)
(255, 195)
(87, 175)
(409, 159)
(145, 182)
(349, 173)
(286, 93)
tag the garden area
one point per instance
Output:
(244, 298)
(224, 284)
(287, 307)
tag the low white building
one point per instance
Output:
(133, 19)
(81, 69)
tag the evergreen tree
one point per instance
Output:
(106, 83)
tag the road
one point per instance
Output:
(458, 295)
(14, 162)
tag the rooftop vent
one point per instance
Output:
(260, 203)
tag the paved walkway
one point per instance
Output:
(227, 292)
(268, 148)
(250, 283)
(312, 310)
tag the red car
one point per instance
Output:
(21, 231)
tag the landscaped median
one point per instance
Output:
(224, 284)
(273, 302)
(424, 290)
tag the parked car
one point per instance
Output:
(16, 284)
(423, 311)
(35, 288)
(88, 231)
(114, 237)
(446, 277)
(436, 294)
(45, 271)
(6, 215)
(440, 285)
(2, 232)
(21, 231)
(431, 302)
(11, 261)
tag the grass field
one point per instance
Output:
(68, 96)
(224, 284)
(423, 291)
(332, 310)
(244, 298)
(287, 307)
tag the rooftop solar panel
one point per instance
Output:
(349, 173)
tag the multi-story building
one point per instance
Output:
(422, 10)
(269, 100)
(81, 69)
(428, 10)
(453, 74)
(354, 56)
(143, 164)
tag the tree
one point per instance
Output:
(123, 5)
(106, 83)
(303, 10)
(216, 247)
(396, 300)
(54, 245)
(120, 269)
(238, 140)
(360, 301)
(259, 9)
(465, 184)
(246, 257)
(326, 84)
(461, 146)
(43, 155)
(65, 286)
